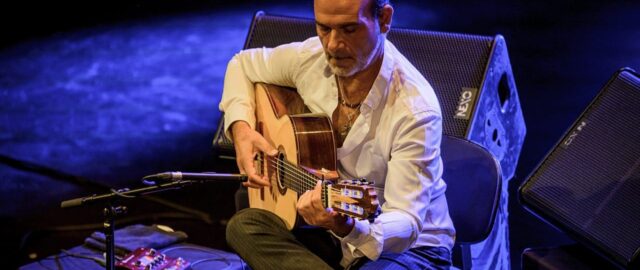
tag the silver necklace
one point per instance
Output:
(351, 116)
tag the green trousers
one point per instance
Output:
(263, 241)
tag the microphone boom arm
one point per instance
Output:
(195, 177)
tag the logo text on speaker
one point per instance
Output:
(573, 135)
(467, 100)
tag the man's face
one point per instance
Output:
(349, 33)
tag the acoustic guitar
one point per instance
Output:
(306, 152)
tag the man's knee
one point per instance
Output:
(248, 222)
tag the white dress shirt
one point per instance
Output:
(394, 142)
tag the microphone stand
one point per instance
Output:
(113, 209)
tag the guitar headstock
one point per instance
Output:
(356, 198)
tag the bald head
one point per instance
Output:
(351, 35)
(372, 7)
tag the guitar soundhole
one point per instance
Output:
(281, 168)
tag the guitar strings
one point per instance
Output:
(308, 180)
(291, 171)
(326, 200)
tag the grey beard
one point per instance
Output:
(344, 72)
(360, 64)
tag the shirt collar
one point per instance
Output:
(382, 82)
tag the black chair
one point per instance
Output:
(472, 173)
(474, 182)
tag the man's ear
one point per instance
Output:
(386, 15)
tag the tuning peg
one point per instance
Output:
(356, 181)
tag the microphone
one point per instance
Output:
(167, 177)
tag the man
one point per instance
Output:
(388, 127)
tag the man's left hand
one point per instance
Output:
(311, 209)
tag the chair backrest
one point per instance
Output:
(474, 181)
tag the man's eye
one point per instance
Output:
(324, 29)
(349, 29)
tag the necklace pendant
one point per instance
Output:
(344, 131)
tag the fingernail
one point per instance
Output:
(273, 152)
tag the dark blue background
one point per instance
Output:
(110, 91)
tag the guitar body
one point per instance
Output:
(302, 139)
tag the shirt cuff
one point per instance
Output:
(360, 242)
(358, 234)
(353, 229)
(237, 114)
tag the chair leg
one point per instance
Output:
(465, 251)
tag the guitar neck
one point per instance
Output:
(297, 178)
(355, 198)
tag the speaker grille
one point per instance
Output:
(271, 31)
(590, 183)
(449, 62)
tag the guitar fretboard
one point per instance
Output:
(293, 176)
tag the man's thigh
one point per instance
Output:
(321, 243)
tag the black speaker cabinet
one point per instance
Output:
(471, 75)
(589, 184)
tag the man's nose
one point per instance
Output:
(335, 41)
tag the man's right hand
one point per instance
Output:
(247, 143)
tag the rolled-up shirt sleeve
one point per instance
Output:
(269, 65)
(413, 169)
